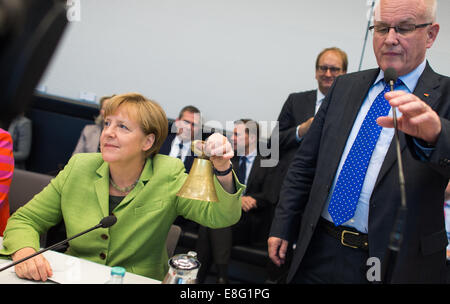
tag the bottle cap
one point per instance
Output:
(118, 271)
(184, 262)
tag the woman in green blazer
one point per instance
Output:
(130, 180)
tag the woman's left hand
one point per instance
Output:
(219, 150)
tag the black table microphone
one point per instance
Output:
(396, 237)
(104, 223)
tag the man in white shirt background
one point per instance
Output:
(183, 130)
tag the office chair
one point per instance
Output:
(172, 239)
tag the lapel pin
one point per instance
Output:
(426, 94)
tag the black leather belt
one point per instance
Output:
(349, 237)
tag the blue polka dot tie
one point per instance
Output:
(351, 178)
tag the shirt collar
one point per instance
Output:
(146, 173)
(320, 96)
(251, 156)
(178, 140)
(410, 80)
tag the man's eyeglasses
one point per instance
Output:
(325, 68)
(403, 29)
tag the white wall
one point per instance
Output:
(231, 58)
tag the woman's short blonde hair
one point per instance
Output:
(147, 113)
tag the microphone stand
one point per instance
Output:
(366, 36)
(49, 248)
(397, 232)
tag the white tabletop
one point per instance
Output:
(71, 270)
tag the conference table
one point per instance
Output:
(71, 270)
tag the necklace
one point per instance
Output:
(125, 189)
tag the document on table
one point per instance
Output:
(72, 270)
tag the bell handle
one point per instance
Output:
(196, 150)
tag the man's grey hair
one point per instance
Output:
(430, 13)
(431, 9)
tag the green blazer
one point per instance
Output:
(80, 196)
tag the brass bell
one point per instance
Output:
(199, 184)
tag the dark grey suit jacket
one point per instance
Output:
(298, 108)
(310, 176)
(254, 225)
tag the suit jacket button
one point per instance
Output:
(102, 255)
(104, 237)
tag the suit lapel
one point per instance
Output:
(102, 188)
(426, 89)
(188, 161)
(146, 174)
(167, 144)
(235, 162)
(350, 108)
(391, 156)
(311, 106)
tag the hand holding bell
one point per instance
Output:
(199, 184)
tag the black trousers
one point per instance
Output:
(213, 247)
(448, 271)
(327, 261)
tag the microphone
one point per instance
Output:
(390, 77)
(396, 237)
(106, 222)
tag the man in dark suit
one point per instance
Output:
(294, 121)
(254, 224)
(253, 227)
(186, 128)
(338, 222)
(299, 109)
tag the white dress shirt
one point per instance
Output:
(175, 148)
(361, 217)
(249, 164)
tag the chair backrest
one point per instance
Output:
(24, 185)
(172, 239)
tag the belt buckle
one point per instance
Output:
(342, 238)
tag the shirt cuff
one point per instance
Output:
(424, 153)
(299, 139)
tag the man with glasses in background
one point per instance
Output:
(186, 128)
(299, 109)
(294, 121)
(183, 131)
(342, 190)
